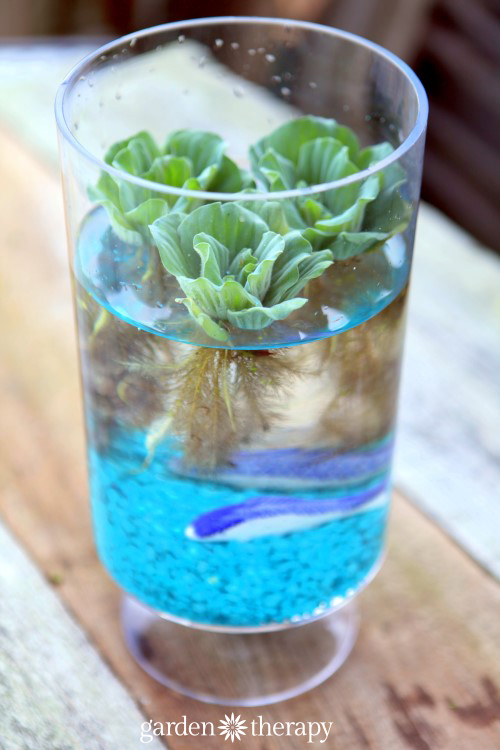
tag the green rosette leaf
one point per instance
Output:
(190, 159)
(233, 268)
(348, 220)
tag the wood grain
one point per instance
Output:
(52, 681)
(425, 674)
(448, 452)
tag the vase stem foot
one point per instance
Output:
(239, 669)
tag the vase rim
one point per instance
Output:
(417, 130)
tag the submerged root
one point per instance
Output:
(220, 398)
(364, 366)
(117, 392)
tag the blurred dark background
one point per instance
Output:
(454, 46)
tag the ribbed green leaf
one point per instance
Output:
(312, 211)
(205, 321)
(310, 268)
(286, 269)
(348, 137)
(235, 297)
(206, 294)
(169, 170)
(352, 216)
(317, 160)
(106, 189)
(146, 213)
(140, 145)
(242, 261)
(260, 317)
(120, 225)
(166, 239)
(270, 247)
(288, 138)
(389, 213)
(230, 178)
(203, 149)
(214, 257)
(232, 225)
(278, 172)
(348, 244)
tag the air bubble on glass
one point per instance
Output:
(219, 43)
(313, 85)
(181, 38)
(276, 79)
(252, 52)
(238, 92)
(270, 58)
(285, 91)
(235, 45)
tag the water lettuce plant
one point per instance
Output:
(350, 219)
(190, 159)
(244, 264)
(233, 269)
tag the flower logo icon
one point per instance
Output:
(232, 727)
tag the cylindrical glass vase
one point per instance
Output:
(241, 198)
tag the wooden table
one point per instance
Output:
(425, 673)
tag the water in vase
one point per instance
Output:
(256, 494)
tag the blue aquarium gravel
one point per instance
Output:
(143, 517)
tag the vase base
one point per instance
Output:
(239, 669)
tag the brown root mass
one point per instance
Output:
(220, 397)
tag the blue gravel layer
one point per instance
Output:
(140, 518)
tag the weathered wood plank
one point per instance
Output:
(52, 681)
(426, 672)
(448, 456)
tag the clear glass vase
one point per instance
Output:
(240, 302)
